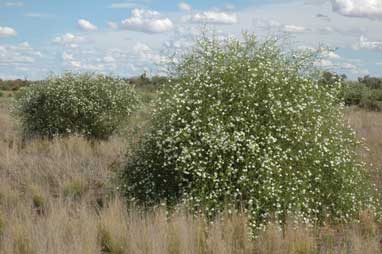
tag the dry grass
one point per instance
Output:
(368, 126)
(58, 197)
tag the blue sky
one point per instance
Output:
(39, 37)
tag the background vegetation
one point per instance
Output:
(365, 93)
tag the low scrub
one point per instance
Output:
(84, 104)
(246, 126)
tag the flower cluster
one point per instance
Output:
(245, 125)
(82, 104)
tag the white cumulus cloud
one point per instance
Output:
(324, 63)
(184, 6)
(7, 31)
(70, 60)
(365, 43)
(140, 47)
(19, 55)
(112, 25)
(147, 54)
(109, 59)
(294, 29)
(212, 17)
(348, 66)
(86, 25)
(147, 21)
(269, 24)
(69, 40)
(358, 8)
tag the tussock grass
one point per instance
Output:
(58, 197)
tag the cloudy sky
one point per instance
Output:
(39, 37)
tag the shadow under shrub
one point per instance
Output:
(247, 126)
(82, 104)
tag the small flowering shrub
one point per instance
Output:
(83, 104)
(246, 126)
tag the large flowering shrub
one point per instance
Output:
(83, 104)
(245, 126)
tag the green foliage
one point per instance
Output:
(108, 244)
(1, 94)
(330, 78)
(147, 87)
(353, 94)
(38, 201)
(363, 96)
(246, 127)
(366, 93)
(75, 189)
(371, 82)
(372, 100)
(83, 104)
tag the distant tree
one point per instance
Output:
(330, 78)
(371, 82)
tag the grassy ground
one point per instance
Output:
(59, 197)
(368, 126)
